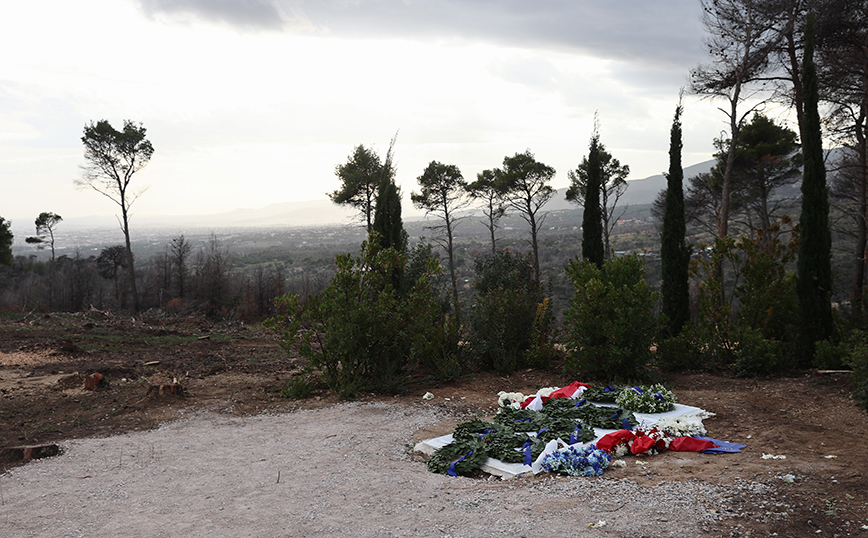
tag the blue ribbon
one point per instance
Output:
(626, 424)
(638, 390)
(580, 403)
(617, 414)
(574, 437)
(451, 470)
(609, 388)
(525, 449)
(486, 432)
(658, 396)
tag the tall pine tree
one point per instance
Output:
(674, 251)
(814, 281)
(592, 219)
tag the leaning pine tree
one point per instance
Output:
(592, 219)
(674, 252)
(814, 281)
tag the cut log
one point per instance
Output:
(173, 389)
(14, 454)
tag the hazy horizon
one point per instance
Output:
(260, 100)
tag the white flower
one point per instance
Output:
(618, 463)
(546, 392)
(773, 457)
(682, 426)
(506, 399)
(428, 396)
(597, 525)
(621, 450)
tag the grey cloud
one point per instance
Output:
(664, 34)
(244, 14)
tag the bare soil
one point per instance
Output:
(235, 371)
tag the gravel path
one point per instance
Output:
(342, 470)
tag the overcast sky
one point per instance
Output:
(252, 102)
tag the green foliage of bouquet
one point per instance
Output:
(653, 399)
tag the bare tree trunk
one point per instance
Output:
(130, 268)
(452, 269)
(725, 195)
(535, 246)
(795, 69)
(862, 219)
(493, 241)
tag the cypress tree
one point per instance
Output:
(814, 280)
(592, 219)
(387, 217)
(674, 251)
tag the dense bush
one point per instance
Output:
(678, 353)
(610, 325)
(510, 322)
(857, 359)
(756, 355)
(752, 329)
(358, 333)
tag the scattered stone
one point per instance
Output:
(93, 381)
(68, 346)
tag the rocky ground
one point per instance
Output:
(156, 371)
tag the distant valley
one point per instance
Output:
(323, 212)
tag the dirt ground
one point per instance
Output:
(236, 370)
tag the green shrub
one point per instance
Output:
(829, 356)
(609, 324)
(443, 355)
(297, 388)
(510, 324)
(679, 353)
(755, 355)
(501, 321)
(762, 328)
(852, 352)
(857, 359)
(358, 333)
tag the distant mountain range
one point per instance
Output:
(324, 212)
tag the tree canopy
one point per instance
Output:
(814, 282)
(112, 158)
(6, 238)
(613, 184)
(592, 218)
(524, 182)
(674, 252)
(360, 178)
(486, 190)
(45, 224)
(443, 194)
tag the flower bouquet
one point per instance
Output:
(653, 399)
(577, 461)
(682, 426)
